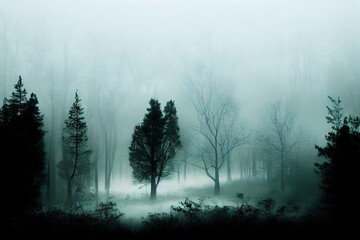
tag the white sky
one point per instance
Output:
(119, 54)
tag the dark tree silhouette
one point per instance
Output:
(342, 153)
(154, 145)
(76, 162)
(219, 131)
(22, 149)
(336, 114)
(278, 140)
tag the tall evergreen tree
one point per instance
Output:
(18, 99)
(336, 114)
(22, 148)
(342, 153)
(154, 145)
(76, 161)
(171, 141)
(35, 148)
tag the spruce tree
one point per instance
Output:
(76, 162)
(341, 153)
(171, 142)
(22, 148)
(154, 145)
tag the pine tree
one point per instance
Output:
(154, 145)
(342, 153)
(22, 148)
(18, 99)
(171, 142)
(76, 162)
(33, 124)
(336, 115)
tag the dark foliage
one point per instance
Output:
(108, 212)
(189, 220)
(342, 153)
(22, 150)
(76, 159)
(154, 145)
(159, 221)
(60, 224)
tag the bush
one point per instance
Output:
(108, 212)
(158, 221)
(189, 209)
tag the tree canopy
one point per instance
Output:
(22, 149)
(342, 153)
(76, 161)
(154, 145)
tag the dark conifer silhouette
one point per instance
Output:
(76, 161)
(342, 153)
(154, 145)
(22, 148)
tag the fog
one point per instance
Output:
(119, 54)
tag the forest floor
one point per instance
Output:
(244, 209)
(138, 206)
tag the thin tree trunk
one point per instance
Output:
(253, 161)
(106, 164)
(153, 187)
(217, 183)
(228, 164)
(178, 173)
(50, 155)
(88, 182)
(107, 194)
(185, 171)
(269, 170)
(282, 173)
(96, 182)
(69, 192)
(217, 180)
(49, 185)
(52, 160)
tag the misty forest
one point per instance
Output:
(179, 119)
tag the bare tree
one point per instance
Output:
(96, 154)
(185, 158)
(232, 136)
(108, 129)
(182, 158)
(277, 140)
(218, 128)
(110, 150)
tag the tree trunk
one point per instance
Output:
(107, 177)
(96, 182)
(228, 164)
(253, 161)
(107, 194)
(87, 182)
(69, 191)
(49, 185)
(217, 183)
(185, 171)
(217, 180)
(106, 170)
(51, 157)
(269, 170)
(178, 173)
(153, 187)
(282, 173)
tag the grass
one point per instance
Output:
(242, 211)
